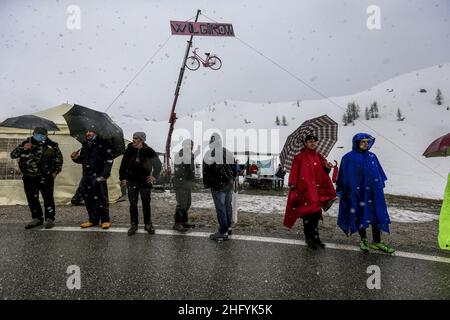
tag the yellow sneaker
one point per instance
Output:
(106, 225)
(87, 225)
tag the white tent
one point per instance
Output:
(11, 186)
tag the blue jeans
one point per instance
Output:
(222, 202)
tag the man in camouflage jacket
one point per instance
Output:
(40, 161)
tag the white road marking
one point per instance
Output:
(336, 246)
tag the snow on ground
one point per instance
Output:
(399, 144)
(277, 205)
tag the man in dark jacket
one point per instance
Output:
(183, 182)
(40, 161)
(281, 172)
(219, 171)
(139, 170)
(96, 156)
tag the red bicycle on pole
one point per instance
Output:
(211, 61)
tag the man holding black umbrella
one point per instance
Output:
(40, 161)
(96, 156)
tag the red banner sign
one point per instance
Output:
(184, 28)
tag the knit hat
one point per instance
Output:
(310, 137)
(40, 130)
(140, 135)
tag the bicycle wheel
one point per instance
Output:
(214, 63)
(192, 63)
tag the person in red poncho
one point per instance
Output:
(311, 190)
(253, 169)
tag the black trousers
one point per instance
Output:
(280, 183)
(376, 234)
(134, 190)
(183, 194)
(78, 197)
(311, 225)
(95, 194)
(44, 185)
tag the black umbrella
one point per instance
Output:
(325, 128)
(29, 121)
(81, 119)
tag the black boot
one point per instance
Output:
(319, 243)
(133, 229)
(308, 229)
(316, 238)
(149, 228)
(179, 227)
(311, 244)
(188, 225)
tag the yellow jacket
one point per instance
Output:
(444, 220)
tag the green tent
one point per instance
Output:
(444, 220)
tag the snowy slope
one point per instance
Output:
(265, 204)
(408, 172)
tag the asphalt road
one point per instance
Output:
(33, 265)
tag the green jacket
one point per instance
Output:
(44, 158)
(444, 219)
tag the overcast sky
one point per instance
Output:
(325, 43)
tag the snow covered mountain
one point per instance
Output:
(399, 144)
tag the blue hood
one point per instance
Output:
(360, 136)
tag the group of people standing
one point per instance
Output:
(40, 161)
(359, 186)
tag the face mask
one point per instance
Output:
(91, 139)
(39, 137)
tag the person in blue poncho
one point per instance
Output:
(360, 185)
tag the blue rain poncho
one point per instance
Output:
(360, 187)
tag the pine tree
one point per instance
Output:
(298, 103)
(367, 114)
(349, 115)
(283, 121)
(399, 115)
(439, 97)
(353, 111)
(374, 110)
(345, 119)
(277, 121)
(357, 110)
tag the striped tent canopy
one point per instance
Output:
(323, 127)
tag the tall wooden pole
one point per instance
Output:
(173, 117)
